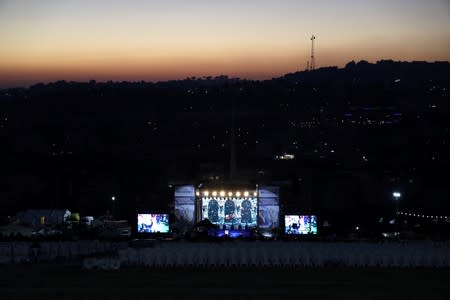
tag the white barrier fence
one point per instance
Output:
(236, 254)
(288, 254)
(20, 252)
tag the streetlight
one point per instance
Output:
(396, 196)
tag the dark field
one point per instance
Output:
(56, 282)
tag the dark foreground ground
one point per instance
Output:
(63, 282)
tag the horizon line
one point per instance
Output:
(213, 77)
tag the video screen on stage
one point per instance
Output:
(153, 223)
(184, 206)
(300, 224)
(230, 211)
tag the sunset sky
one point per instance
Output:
(48, 40)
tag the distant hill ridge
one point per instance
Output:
(383, 70)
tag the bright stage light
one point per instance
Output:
(222, 194)
(238, 194)
(197, 193)
(230, 194)
(245, 194)
(206, 193)
(214, 194)
(255, 194)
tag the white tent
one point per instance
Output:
(43, 216)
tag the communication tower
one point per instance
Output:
(312, 65)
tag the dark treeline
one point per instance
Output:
(357, 133)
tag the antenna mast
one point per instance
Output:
(313, 62)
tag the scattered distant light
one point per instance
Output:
(255, 194)
(113, 198)
(197, 193)
(285, 156)
(396, 195)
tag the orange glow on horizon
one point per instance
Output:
(137, 66)
(152, 41)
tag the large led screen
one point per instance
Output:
(268, 207)
(230, 210)
(304, 224)
(152, 223)
(184, 205)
